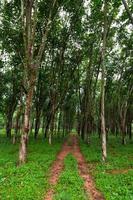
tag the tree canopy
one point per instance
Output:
(66, 65)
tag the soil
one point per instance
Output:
(72, 146)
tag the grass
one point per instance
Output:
(29, 181)
(113, 186)
(70, 185)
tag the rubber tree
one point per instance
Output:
(103, 71)
(31, 62)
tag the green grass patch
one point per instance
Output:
(29, 181)
(113, 186)
(70, 185)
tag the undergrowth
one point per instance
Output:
(113, 186)
(70, 185)
(29, 181)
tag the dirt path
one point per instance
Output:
(72, 146)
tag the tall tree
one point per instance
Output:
(31, 61)
(103, 72)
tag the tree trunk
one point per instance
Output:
(43, 125)
(47, 125)
(37, 125)
(103, 129)
(52, 120)
(9, 126)
(128, 11)
(123, 130)
(17, 125)
(130, 131)
(31, 63)
(11, 108)
(25, 131)
(59, 122)
(123, 114)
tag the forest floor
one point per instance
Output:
(114, 178)
(28, 181)
(60, 170)
(71, 146)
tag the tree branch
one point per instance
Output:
(44, 37)
(128, 11)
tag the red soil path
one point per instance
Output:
(72, 146)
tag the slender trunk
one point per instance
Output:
(128, 11)
(99, 122)
(43, 125)
(9, 126)
(64, 125)
(130, 131)
(50, 138)
(59, 122)
(55, 125)
(25, 131)
(78, 122)
(52, 121)
(17, 125)
(123, 130)
(123, 114)
(47, 125)
(85, 111)
(46, 130)
(85, 128)
(103, 129)
(32, 126)
(37, 125)
(10, 113)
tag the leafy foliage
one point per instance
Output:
(114, 179)
(29, 181)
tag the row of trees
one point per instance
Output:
(66, 64)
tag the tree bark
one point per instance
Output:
(17, 125)
(37, 124)
(25, 131)
(11, 108)
(123, 114)
(123, 130)
(129, 129)
(128, 11)
(9, 126)
(31, 64)
(103, 129)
